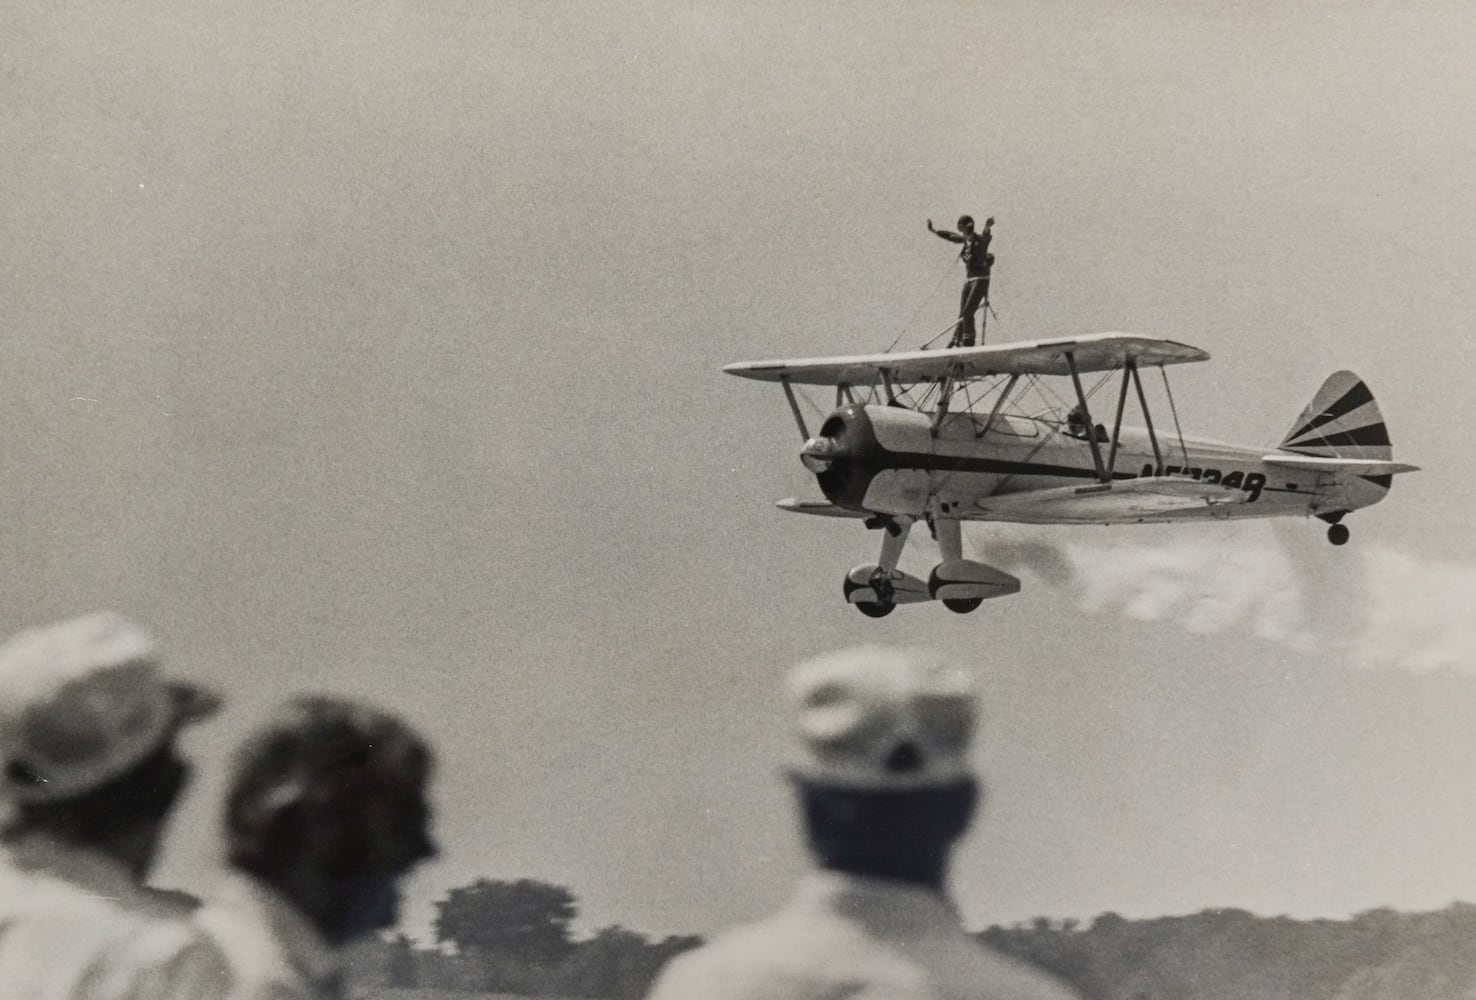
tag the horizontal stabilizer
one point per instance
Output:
(823, 508)
(1120, 500)
(1347, 466)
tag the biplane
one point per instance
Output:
(947, 436)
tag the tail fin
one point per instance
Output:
(1342, 421)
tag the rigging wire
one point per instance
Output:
(908, 325)
(1178, 428)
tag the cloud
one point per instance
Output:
(1374, 606)
(1419, 612)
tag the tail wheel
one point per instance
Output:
(875, 609)
(962, 605)
(1338, 534)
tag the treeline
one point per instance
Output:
(1232, 955)
(517, 938)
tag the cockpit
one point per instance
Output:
(1076, 426)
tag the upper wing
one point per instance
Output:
(1121, 500)
(1092, 353)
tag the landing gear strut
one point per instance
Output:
(949, 534)
(880, 580)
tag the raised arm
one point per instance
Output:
(945, 234)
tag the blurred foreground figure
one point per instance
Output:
(91, 772)
(885, 789)
(325, 812)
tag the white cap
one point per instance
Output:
(81, 702)
(881, 719)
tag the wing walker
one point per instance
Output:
(982, 434)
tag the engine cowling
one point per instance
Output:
(844, 456)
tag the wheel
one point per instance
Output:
(1338, 534)
(875, 609)
(962, 605)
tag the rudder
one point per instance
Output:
(1342, 421)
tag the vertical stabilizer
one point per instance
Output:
(1342, 421)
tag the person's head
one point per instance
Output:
(88, 733)
(882, 768)
(327, 804)
(966, 223)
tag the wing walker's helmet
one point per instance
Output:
(966, 222)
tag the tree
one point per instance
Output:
(610, 964)
(400, 963)
(621, 964)
(526, 919)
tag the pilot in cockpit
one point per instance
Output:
(1076, 425)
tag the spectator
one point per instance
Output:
(88, 735)
(885, 789)
(325, 812)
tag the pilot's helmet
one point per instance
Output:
(966, 222)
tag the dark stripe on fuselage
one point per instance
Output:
(1000, 466)
(1350, 401)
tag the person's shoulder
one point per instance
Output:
(704, 972)
(162, 958)
(731, 966)
(41, 899)
(787, 955)
(255, 956)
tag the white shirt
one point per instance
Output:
(275, 953)
(75, 925)
(857, 938)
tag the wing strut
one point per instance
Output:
(1147, 419)
(994, 413)
(944, 396)
(1086, 413)
(799, 417)
(1122, 396)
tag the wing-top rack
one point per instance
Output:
(1097, 352)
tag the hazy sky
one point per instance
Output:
(376, 349)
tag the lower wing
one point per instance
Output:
(1124, 500)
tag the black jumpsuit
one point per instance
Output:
(977, 260)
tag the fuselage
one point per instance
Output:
(890, 460)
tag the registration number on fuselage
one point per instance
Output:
(1251, 482)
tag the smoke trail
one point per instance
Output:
(1371, 605)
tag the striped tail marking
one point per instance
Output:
(1342, 421)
